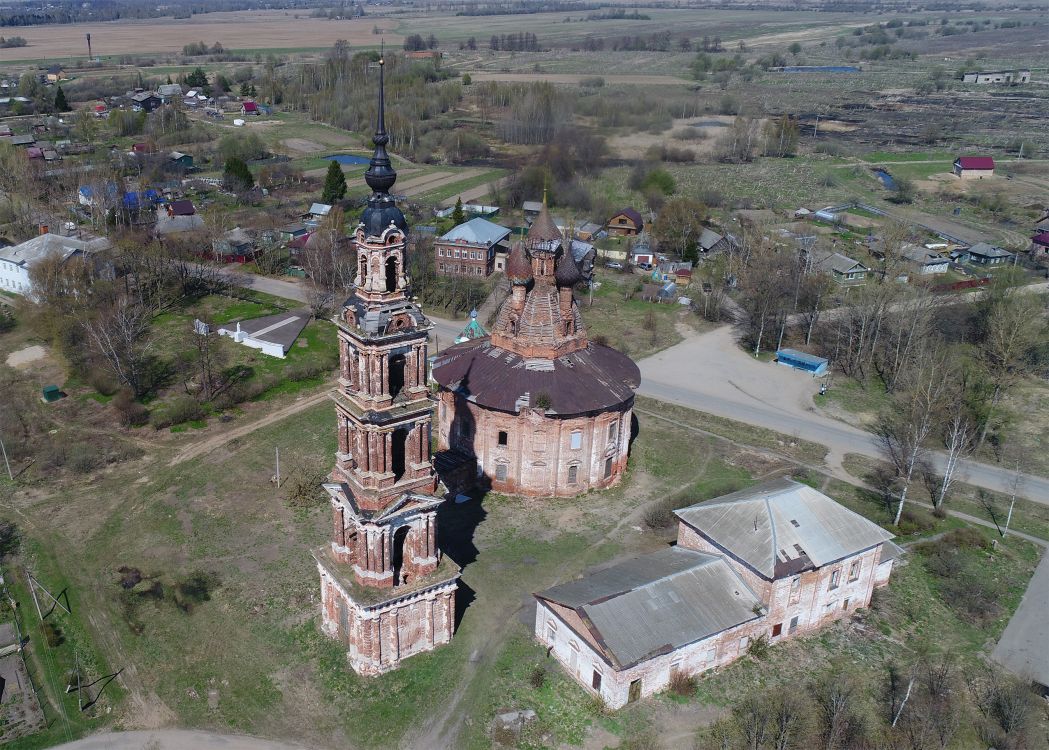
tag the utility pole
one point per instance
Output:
(6, 462)
(1012, 500)
(278, 467)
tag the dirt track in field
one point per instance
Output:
(573, 78)
(234, 30)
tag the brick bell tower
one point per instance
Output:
(386, 591)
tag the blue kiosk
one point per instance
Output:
(802, 361)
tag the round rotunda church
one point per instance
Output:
(540, 409)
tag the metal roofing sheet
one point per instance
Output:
(478, 232)
(781, 522)
(659, 602)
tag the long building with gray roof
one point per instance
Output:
(772, 562)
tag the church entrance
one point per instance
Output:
(397, 555)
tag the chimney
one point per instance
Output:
(519, 293)
(43, 229)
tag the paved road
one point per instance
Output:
(175, 739)
(1024, 646)
(710, 373)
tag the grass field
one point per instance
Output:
(263, 31)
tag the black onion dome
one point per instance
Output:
(567, 272)
(382, 211)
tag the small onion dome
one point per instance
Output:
(518, 268)
(567, 272)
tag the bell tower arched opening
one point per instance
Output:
(391, 275)
(397, 555)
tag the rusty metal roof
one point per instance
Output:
(587, 380)
(657, 603)
(781, 527)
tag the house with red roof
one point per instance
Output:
(974, 167)
(249, 108)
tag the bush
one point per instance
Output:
(129, 411)
(682, 684)
(52, 635)
(915, 522)
(179, 410)
(759, 647)
(101, 381)
(661, 180)
(537, 677)
(83, 457)
(659, 516)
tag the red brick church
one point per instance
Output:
(386, 591)
(537, 407)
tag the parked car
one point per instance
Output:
(614, 264)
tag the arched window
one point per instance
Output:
(391, 274)
(399, 444)
(397, 556)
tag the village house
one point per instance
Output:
(249, 108)
(146, 101)
(169, 91)
(589, 231)
(180, 161)
(178, 217)
(773, 562)
(470, 248)
(712, 242)
(235, 246)
(625, 223)
(1042, 225)
(974, 167)
(317, 213)
(924, 261)
(55, 73)
(842, 268)
(997, 76)
(983, 254)
(1040, 247)
(16, 261)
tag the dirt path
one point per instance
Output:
(175, 739)
(215, 441)
(574, 79)
(439, 180)
(474, 193)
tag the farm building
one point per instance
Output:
(802, 361)
(775, 561)
(626, 223)
(235, 246)
(169, 91)
(712, 242)
(470, 248)
(982, 254)
(997, 76)
(974, 167)
(249, 108)
(180, 160)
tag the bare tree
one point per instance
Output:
(328, 262)
(119, 332)
(958, 434)
(907, 425)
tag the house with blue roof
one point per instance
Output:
(470, 249)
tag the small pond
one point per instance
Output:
(886, 179)
(345, 159)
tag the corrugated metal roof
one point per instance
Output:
(478, 232)
(783, 526)
(989, 251)
(657, 603)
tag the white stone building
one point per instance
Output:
(17, 260)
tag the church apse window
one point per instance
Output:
(573, 474)
(576, 440)
(503, 438)
(613, 431)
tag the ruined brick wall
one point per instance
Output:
(542, 455)
(377, 640)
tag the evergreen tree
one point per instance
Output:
(334, 184)
(458, 216)
(61, 105)
(236, 176)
